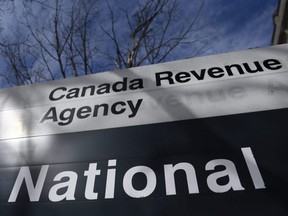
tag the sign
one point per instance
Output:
(203, 136)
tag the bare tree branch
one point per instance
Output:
(151, 38)
(63, 39)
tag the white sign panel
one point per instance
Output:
(240, 82)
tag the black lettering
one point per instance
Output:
(52, 112)
(272, 64)
(165, 75)
(136, 84)
(66, 119)
(53, 98)
(103, 89)
(258, 67)
(229, 69)
(92, 90)
(197, 76)
(182, 77)
(215, 72)
(84, 112)
(73, 93)
(119, 111)
(120, 85)
(105, 109)
(134, 109)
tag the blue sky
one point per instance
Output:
(242, 24)
(230, 25)
(239, 25)
(224, 25)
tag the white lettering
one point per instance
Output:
(34, 192)
(189, 170)
(147, 190)
(110, 181)
(70, 185)
(253, 168)
(230, 172)
(91, 174)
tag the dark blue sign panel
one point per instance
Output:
(228, 165)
